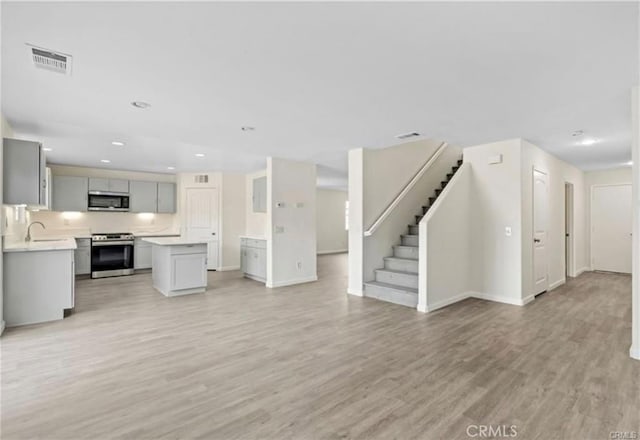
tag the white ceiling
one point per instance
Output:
(317, 79)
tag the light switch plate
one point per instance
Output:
(507, 231)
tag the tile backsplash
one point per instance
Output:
(86, 223)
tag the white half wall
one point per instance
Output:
(291, 206)
(330, 209)
(445, 245)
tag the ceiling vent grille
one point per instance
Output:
(201, 178)
(408, 135)
(50, 60)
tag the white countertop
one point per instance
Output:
(174, 241)
(253, 237)
(39, 246)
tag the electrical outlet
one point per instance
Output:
(507, 231)
(299, 265)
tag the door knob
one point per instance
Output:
(536, 240)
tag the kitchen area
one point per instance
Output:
(62, 223)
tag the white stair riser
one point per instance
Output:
(390, 295)
(410, 240)
(405, 252)
(398, 279)
(401, 265)
(413, 230)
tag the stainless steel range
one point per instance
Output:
(111, 255)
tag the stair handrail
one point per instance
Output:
(408, 187)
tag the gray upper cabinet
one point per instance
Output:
(24, 173)
(108, 185)
(69, 193)
(260, 194)
(166, 197)
(143, 196)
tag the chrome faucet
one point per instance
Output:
(28, 237)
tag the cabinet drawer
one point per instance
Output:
(260, 244)
(189, 249)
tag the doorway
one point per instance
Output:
(611, 223)
(201, 221)
(540, 231)
(569, 269)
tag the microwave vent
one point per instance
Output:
(201, 178)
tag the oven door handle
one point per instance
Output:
(112, 243)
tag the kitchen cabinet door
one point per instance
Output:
(69, 193)
(143, 196)
(24, 173)
(166, 197)
(260, 194)
(188, 271)
(119, 185)
(261, 263)
(142, 254)
(98, 184)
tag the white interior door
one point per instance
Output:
(540, 233)
(202, 220)
(611, 222)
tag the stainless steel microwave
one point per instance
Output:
(106, 201)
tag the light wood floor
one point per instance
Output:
(310, 362)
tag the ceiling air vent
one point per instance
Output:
(201, 178)
(408, 135)
(50, 60)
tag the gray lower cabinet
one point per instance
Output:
(143, 196)
(253, 258)
(69, 193)
(166, 197)
(142, 251)
(82, 256)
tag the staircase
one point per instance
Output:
(397, 282)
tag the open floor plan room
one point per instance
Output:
(320, 220)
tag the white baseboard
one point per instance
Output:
(336, 251)
(355, 292)
(557, 283)
(448, 301)
(2, 325)
(502, 299)
(229, 268)
(582, 270)
(293, 282)
(634, 352)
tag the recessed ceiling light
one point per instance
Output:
(117, 143)
(199, 155)
(105, 161)
(247, 128)
(171, 168)
(589, 141)
(140, 104)
(47, 149)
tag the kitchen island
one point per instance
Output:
(178, 265)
